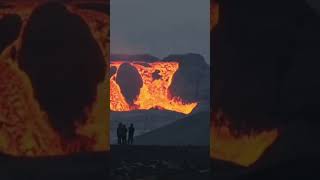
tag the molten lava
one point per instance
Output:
(243, 149)
(154, 93)
(24, 127)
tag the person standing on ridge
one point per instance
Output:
(125, 131)
(119, 133)
(131, 134)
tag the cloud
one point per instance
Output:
(160, 27)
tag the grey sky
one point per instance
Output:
(160, 27)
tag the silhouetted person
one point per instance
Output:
(131, 134)
(125, 131)
(119, 133)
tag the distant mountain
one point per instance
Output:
(191, 130)
(189, 58)
(192, 81)
(136, 57)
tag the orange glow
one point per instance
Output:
(24, 127)
(214, 11)
(153, 93)
(241, 149)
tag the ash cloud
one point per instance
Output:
(160, 27)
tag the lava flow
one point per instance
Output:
(242, 149)
(25, 128)
(154, 93)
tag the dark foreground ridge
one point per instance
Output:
(82, 166)
(125, 162)
(159, 162)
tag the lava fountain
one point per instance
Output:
(154, 93)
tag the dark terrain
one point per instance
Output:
(191, 130)
(84, 166)
(126, 162)
(159, 162)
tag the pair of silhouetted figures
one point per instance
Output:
(125, 135)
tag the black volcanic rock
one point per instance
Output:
(64, 64)
(10, 26)
(130, 82)
(192, 80)
(266, 61)
(112, 71)
(156, 75)
(138, 57)
(82, 166)
(159, 162)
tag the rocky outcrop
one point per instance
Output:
(192, 80)
(130, 82)
(64, 64)
(265, 61)
(112, 71)
(10, 26)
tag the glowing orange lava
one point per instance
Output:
(154, 93)
(214, 11)
(24, 127)
(243, 149)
